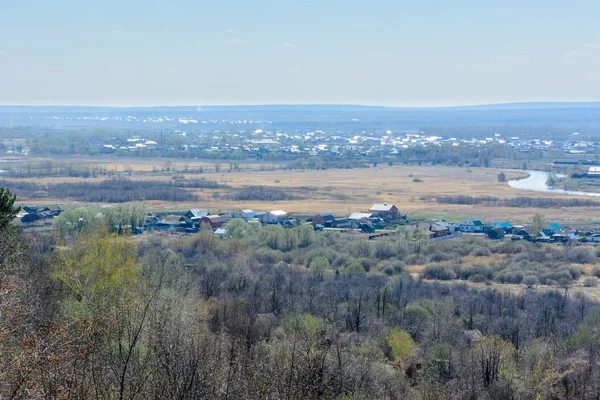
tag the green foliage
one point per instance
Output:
(85, 220)
(353, 268)
(318, 266)
(237, 228)
(552, 179)
(438, 365)
(538, 224)
(401, 344)
(7, 209)
(94, 272)
(588, 332)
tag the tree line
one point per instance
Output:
(519, 201)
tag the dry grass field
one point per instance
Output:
(342, 191)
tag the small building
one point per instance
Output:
(385, 211)
(341, 223)
(435, 228)
(326, 220)
(193, 215)
(214, 221)
(470, 225)
(274, 217)
(496, 233)
(359, 216)
(551, 228)
(594, 172)
(504, 225)
(291, 223)
(221, 232)
(29, 218)
(247, 214)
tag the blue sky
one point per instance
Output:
(398, 53)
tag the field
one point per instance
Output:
(340, 191)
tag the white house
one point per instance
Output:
(247, 214)
(274, 217)
(470, 225)
(358, 216)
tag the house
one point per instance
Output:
(358, 216)
(247, 214)
(341, 223)
(291, 223)
(274, 217)
(214, 221)
(470, 225)
(193, 215)
(551, 228)
(435, 228)
(496, 233)
(221, 232)
(30, 209)
(326, 220)
(504, 225)
(594, 172)
(385, 211)
(31, 217)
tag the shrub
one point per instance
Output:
(438, 271)
(590, 282)
(438, 256)
(481, 252)
(391, 267)
(477, 278)
(580, 255)
(531, 281)
(384, 249)
(268, 256)
(596, 271)
(557, 276)
(416, 259)
(509, 276)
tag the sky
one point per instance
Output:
(226, 52)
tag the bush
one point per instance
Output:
(391, 267)
(416, 259)
(590, 282)
(580, 255)
(509, 277)
(384, 249)
(596, 271)
(438, 271)
(481, 252)
(531, 281)
(477, 278)
(562, 276)
(268, 256)
(438, 256)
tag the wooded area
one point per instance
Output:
(284, 313)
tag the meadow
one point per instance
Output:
(340, 191)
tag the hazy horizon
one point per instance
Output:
(186, 52)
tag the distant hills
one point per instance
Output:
(538, 116)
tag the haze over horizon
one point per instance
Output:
(185, 52)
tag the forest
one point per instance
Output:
(287, 313)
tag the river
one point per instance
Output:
(537, 181)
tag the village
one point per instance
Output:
(379, 220)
